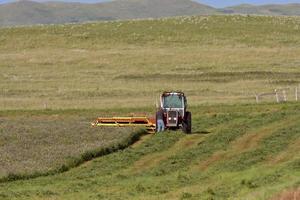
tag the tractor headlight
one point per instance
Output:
(175, 118)
(170, 118)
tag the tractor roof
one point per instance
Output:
(173, 92)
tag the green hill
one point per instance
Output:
(29, 12)
(288, 9)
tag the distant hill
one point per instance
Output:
(287, 9)
(30, 12)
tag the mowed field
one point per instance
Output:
(55, 80)
(36, 143)
(214, 59)
(235, 152)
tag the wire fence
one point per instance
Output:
(280, 95)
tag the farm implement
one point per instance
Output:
(142, 122)
(175, 116)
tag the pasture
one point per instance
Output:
(56, 79)
(235, 152)
(214, 59)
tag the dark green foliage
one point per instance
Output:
(186, 195)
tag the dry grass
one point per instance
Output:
(288, 195)
(213, 59)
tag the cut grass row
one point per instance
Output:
(170, 165)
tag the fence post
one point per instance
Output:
(284, 95)
(277, 97)
(257, 98)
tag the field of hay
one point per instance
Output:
(36, 143)
(56, 79)
(214, 59)
(235, 152)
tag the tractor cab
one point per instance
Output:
(176, 116)
(173, 100)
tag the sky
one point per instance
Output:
(214, 3)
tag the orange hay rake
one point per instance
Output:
(145, 122)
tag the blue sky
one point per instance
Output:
(215, 3)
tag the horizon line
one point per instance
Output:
(107, 1)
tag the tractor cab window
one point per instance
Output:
(172, 101)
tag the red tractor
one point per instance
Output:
(176, 116)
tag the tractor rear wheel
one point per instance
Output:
(187, 123)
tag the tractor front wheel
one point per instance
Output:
(187, 123)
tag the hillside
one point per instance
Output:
(29, 12)
(235, 152)
(214, 59)
(56, 79)
(288, 9)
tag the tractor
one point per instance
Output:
(176, 116)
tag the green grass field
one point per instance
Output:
(235, 152)
(55, 80)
